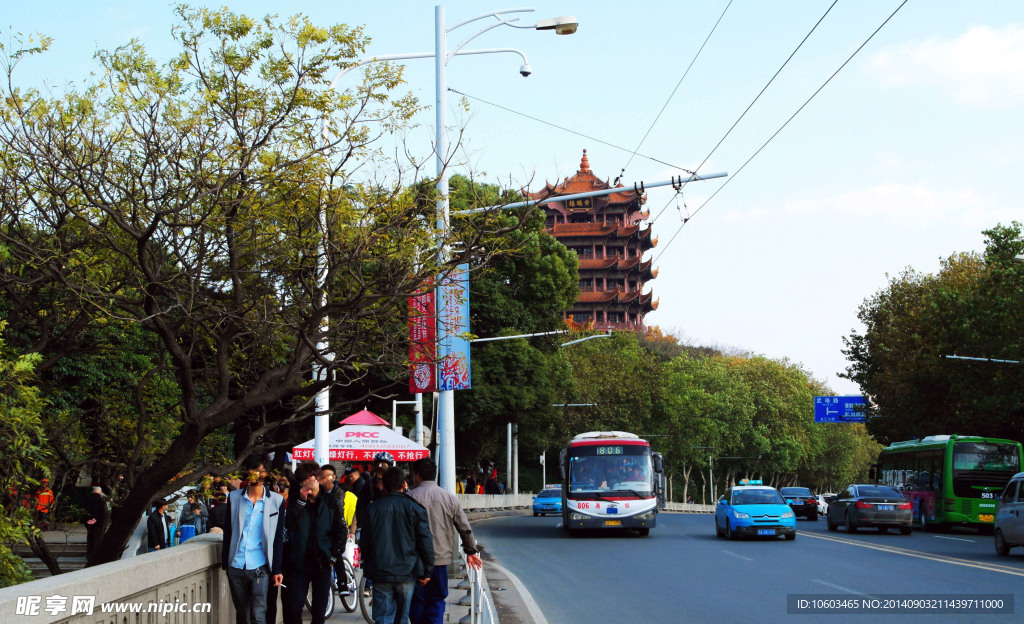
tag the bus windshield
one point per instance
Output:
(611, 469)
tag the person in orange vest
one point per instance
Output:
(44, 502)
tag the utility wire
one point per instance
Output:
(678, 84)
(808, 101)
(570, 131)
(760, 93)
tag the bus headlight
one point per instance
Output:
(647, 515)
(577, 516)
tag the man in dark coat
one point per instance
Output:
(397, 549)
(316, 541)
(157, 527)
(96, 508)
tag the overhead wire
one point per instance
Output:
(678, 84)
(776, 133)
(569, 130)
(759, 94)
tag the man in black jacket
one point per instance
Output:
(156, 527)
(96, 508)
(397, 549)
(316, 540)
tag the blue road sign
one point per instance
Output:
(839, 409)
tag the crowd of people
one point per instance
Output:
(284, 534)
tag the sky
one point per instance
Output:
(903, 158)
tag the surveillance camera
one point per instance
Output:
(525, 70)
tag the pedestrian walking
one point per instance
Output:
(397, 549)
(253, 543)
(316, 542)
(158, 527)
(444, 512)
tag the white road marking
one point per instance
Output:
(840, 588)
(729, 552)
(959, 539)
(531, 605)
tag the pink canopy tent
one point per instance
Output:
(360, 437)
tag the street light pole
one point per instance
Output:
(446, 398)
(561, 26)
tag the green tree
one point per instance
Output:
(973, 307)
(202, 201)
(24, 458)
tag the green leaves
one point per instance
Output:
(973, 307)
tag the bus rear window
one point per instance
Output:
(986, 456)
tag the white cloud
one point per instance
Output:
(983, 68)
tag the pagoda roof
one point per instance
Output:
(585, 181)
(598, 230)
(618, 295)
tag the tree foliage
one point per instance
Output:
(206, 212)
(24, 459)
(973, 307)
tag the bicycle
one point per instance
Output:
(348, 601)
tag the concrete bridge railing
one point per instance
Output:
(184, 585)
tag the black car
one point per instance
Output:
(869, 505)
(801, 501)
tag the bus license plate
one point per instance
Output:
(986, 518)
(613, 522)
(885, 508)
(766, 531)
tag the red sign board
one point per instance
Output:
(422, 341)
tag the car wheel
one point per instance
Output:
(718, 530)
(905, 530)
(728, 531)
(883, 529)
(1002, 548)
(851, 527)
(535, 514)
(813, 517)
(828, 521)
(790, 536)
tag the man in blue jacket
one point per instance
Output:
(397, 549)
(253, 540)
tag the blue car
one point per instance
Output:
(547, 502)
(754, 510)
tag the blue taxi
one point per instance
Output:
(549, 501)
(751, 509)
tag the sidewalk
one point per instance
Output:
(510, 607)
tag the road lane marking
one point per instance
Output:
(524, 594)
(729, 552)
(991, 567)
(959, 539)
(841, 588)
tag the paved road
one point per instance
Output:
(683, 573)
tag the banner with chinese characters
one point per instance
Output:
(422, 341)
(452, 320)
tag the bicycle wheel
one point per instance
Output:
(366, 600)
(330, 598)
(349, 601)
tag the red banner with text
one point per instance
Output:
(422, 341)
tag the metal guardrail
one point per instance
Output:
(477, 598)
(689, 508)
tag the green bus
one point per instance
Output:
(951, 480)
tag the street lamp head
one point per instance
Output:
(525, 70)
(565, 25)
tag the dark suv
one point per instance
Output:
(801, 501)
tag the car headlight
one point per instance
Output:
(741, 516)
(787, 514)
(647, 515)
(577, 516)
